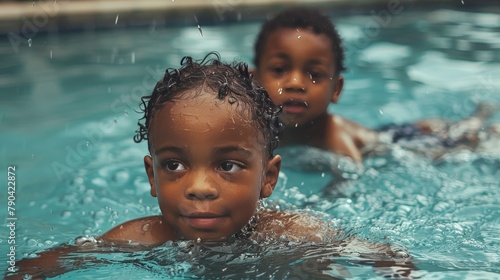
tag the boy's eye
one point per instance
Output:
(229, 166)
(314, 75)
(173, 165)
(278, 70)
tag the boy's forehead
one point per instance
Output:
(299, 38)
(203, 114)
(297, 35)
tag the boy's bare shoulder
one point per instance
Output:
(298, 227)
(359, 134)
(150, 230)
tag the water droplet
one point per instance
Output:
(66, 214)
(121, 227)
(29, 42)
(280, 90)
(296, 125)
(50, 54)
(462, 2)
(314, 81)
(380, 111)
(201, 31)
(116, 19)
(298, 37)
(88, 143)
(322, 174)
(146, 227)
(198, 240)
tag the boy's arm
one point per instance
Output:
(55, 261)
(132, 236)
(305, 228)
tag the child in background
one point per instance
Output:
(299, 58)
(211, 132)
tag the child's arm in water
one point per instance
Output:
(387, 260)
(132, 236)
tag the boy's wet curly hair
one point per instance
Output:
(232, 82)
(302, 18)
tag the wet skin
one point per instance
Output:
(297, 70)
(208, 167)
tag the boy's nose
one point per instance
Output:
(202, 188)
(296, 82)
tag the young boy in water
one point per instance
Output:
(211, 132)
(299, 59)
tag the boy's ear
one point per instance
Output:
(337, 90)
(272, 175)
(148, 165)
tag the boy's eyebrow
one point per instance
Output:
(313, 61)
(172, 149)
(230, 149)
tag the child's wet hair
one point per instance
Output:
(230, 82)
(306, 19)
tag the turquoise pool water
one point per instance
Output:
(67, 119)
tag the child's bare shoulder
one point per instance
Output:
(360, 134)
(293, 227)
(150, 230)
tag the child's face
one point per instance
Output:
(208, 167)
(297, 69)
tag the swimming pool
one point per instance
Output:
(67, 120)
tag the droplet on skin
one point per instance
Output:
(146, 227)
(280, 90)
(198, 240)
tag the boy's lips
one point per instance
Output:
(204, 220)
(294, 106)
